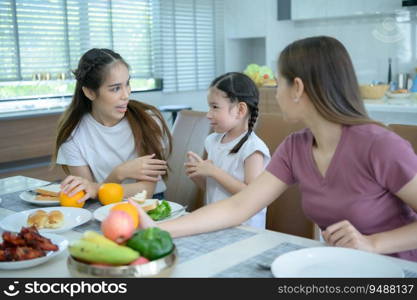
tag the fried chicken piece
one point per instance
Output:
(35, 240)
(12, 240)
(27, 244)
(22, 253)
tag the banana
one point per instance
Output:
(97, 238)
(99, 253)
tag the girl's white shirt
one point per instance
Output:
(101, 148)
(233, 164)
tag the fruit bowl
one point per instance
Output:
(162, 267)
(373, 91)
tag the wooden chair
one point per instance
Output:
(188, 134)
(408, 132)
(285, 213)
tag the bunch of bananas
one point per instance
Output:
(96, 248)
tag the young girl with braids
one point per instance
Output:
(105, 137)
(236, 155)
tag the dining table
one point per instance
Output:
(236, 252)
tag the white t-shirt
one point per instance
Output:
(233, 164)
(101, 148)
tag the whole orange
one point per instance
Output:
(72, 201)
(130, 209)
(110, 193)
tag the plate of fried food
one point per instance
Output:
(47, 219)
(45, 195)
(29, 248)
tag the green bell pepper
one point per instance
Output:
(152, 243)
(162, 211)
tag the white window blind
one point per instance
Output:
(8, 50)
(51, 35)
(192, 43)
(180, 40)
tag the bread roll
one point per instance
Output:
(55, 219)
(38, 219)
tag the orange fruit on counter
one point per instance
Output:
(109, 193)
(130, 210)
(68, 201)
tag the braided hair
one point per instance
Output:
(240, 88)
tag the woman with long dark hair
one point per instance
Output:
(358, 179)
(103, 136)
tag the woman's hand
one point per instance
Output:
(74, 184)
(344, 234)
(144, 168)
(145, 220)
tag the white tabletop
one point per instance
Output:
(206, 265)
(236, 247)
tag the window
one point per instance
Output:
(41, 41)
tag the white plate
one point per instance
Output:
(102, 212)
(332, 262)
(30, 197)
(58, 240)
(73, 217)
(398, 95)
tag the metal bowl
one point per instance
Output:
(162, 267)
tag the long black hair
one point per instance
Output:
(92, 69)
(240, 88)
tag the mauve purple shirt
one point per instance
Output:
(369, 166)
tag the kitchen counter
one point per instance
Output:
(393, 111)
(385, 110)
(10, 110)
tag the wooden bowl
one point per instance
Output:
(373, 91)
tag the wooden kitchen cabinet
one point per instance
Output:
(267, 101)
(26, 145)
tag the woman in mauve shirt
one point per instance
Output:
(358, 179)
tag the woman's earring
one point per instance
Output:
(296, 100)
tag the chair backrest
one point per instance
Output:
(188, 134)
(408, 132)
(285, 213)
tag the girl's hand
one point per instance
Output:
(145, 221)
(200, 168)
(74, 184)
(344, 234)
(144, 168)
(193, 157)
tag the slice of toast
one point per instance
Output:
(49, 190)
(147, 204)
(46, 197)
(140, 197)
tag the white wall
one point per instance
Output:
(258, 19)
(364, 37)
